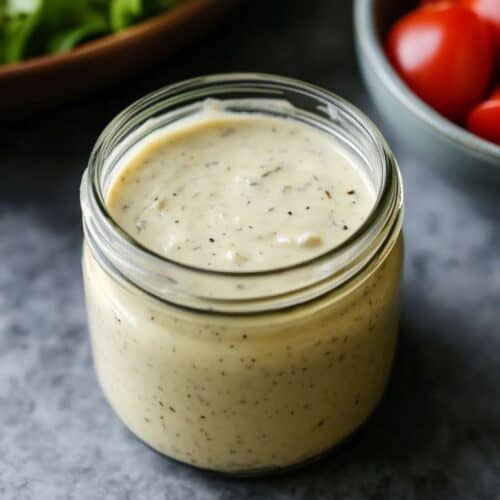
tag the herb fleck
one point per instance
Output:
(272, 171)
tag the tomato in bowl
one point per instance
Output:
(444, 53)
(439, 135)
(484, 119)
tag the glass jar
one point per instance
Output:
(211, 368)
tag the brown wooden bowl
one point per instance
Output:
(50, 79)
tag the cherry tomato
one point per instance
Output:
(445, 55)
(488, 11)
(484, 119)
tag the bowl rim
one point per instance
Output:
(369, 44)
(87, 50)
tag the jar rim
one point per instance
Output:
(389, 196)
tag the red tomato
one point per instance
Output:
(484, 119)
(488, 11)
(445, 55)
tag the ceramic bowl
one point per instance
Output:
(439, 142)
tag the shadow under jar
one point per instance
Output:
(244, 372)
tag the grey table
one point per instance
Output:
(437, 432)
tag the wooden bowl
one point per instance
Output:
(50, 79)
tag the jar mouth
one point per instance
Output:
(330, 111)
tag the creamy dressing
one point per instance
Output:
(250, 392)
(240, 192)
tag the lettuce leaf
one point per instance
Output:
(124, 13)
(62, 24)
(69, 39)
(18, 19)
(33, 27)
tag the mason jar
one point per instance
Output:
(243, 372)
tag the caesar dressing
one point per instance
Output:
(236, 192)
(275, 346)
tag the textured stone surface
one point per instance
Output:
(436, 434)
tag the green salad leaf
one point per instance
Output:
(62, 24)
(67, 40)
(125, 13)
(33, 27)
(18, 19)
